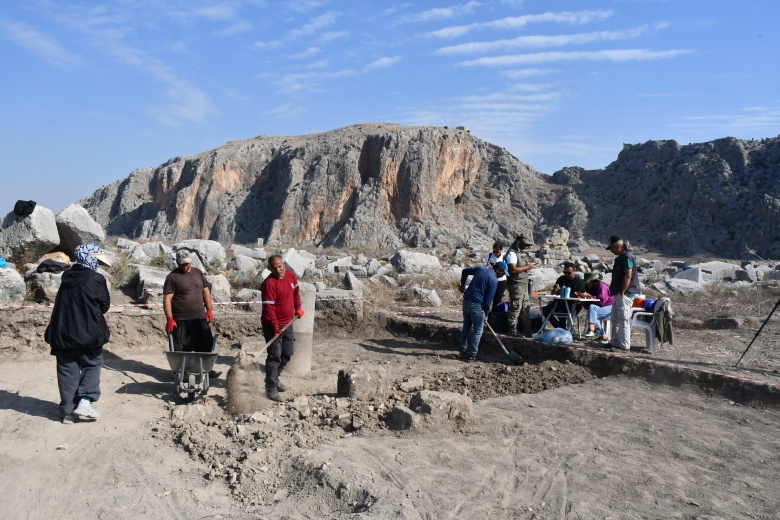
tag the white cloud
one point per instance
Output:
(330, 36)
(41, 45)
(314, 26)
(756, 120)
(267, 45)
(526, 73)
(235, 28)
(519, 22)
(384, 62)
(215, 12)
(188, 104)
(443, 13)
(308, 81)
(617, 55)
(539, 41)
(311, 51)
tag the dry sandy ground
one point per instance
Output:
(611, 447)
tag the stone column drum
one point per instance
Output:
(300, 364)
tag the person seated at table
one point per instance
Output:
(491, 259)
(574, 282)
(596, 289)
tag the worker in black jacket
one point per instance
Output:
(77, 332)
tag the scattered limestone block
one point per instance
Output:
(414, 263)
(76, 226)
(44, 286)
(12, 288)
(402, 418)
(28, 237)
(412, 385)
(297, 262)
(208, 251)
(441, 406)
(363, 382)
(427, 296)
(220, 287)
(351, 281)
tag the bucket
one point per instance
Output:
(639, 301)
(648, 304)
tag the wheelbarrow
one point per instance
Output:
(191, 369)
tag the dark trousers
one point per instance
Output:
(500, 289)
(192, 336)
(279, 353)
(78, 376)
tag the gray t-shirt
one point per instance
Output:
(187, 289)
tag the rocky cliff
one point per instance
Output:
(384, 185)
(719, 198)
(368, 185)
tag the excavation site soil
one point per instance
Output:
(573, 432)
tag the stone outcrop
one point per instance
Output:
(27, 238)
(388, 186)
(367, 185)
(12, 287)
(75, 226)
(363, 382)
(716, 198)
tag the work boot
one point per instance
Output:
(274, 395)
(85, 409)
(280, 386)
(213, 374)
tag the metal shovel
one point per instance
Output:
(513, 357)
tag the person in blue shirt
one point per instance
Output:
(477, 300)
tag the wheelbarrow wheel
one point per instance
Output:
(176, 384)
(191, 387)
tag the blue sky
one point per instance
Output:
(91, 90)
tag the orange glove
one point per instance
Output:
(170, 324)
(299, 312)
(209, 315)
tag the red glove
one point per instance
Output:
(277, 332)
(299, 312)
(209, 315)
(170, 324)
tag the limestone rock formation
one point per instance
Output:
(366, 185)
(387, 186)
(719, 198)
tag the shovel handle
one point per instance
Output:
(276, 336)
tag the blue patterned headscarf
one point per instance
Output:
(83, 254)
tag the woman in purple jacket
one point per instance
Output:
(595, 288)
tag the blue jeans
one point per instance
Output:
(473, 317)
(596, 313)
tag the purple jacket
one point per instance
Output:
(602, 293)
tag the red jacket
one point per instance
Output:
(280, 300)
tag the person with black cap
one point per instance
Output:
(517, 284)
(187, 307)
(624, 288)
(77, 332)
(477, 299)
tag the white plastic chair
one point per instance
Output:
(639, 319)
(606, 326)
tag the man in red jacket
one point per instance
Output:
(281, 302)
